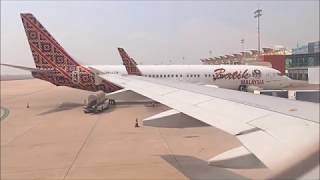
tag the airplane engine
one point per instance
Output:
(253, 88)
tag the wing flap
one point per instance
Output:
(236, 158)
(290, 131)
(270, 151)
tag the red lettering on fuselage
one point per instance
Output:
(252, 81)
(221, 74)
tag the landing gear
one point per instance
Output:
(112, 102)
(243, 88)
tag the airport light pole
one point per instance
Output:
(258, 14)
(242, 44)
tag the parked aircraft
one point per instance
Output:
(236, 77)
(274, 132)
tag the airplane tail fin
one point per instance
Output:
(48, 54)
(46, 51)
(129, 63)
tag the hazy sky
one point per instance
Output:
(155, 32)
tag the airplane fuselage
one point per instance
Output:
(224, 76)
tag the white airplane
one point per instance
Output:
(274, 132)
(237, 77)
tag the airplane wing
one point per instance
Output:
(273, 130)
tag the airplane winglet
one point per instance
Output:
(129, 63)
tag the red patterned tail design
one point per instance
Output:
(48, 54)
(129, 63)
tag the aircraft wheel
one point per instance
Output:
(243, 88)
(112, 102)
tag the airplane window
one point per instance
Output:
(205, 75)
(209, 75)
(198, 75)
(153, 75)
(161, 75)
(164, 75)
(176, 75)
(191, 75)
(187, 75)
(172, 75)
(157, 75)
(180, 75)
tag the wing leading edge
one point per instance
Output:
(274, 137)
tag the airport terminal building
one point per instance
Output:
(270, 57)
(303, 62)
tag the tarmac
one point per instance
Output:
(54, 139)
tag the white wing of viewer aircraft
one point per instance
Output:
(272, 130)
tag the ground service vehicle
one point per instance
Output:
(96, 103)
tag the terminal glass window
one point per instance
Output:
(305, 61)
(311, 61)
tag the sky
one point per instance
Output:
(156, 32)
